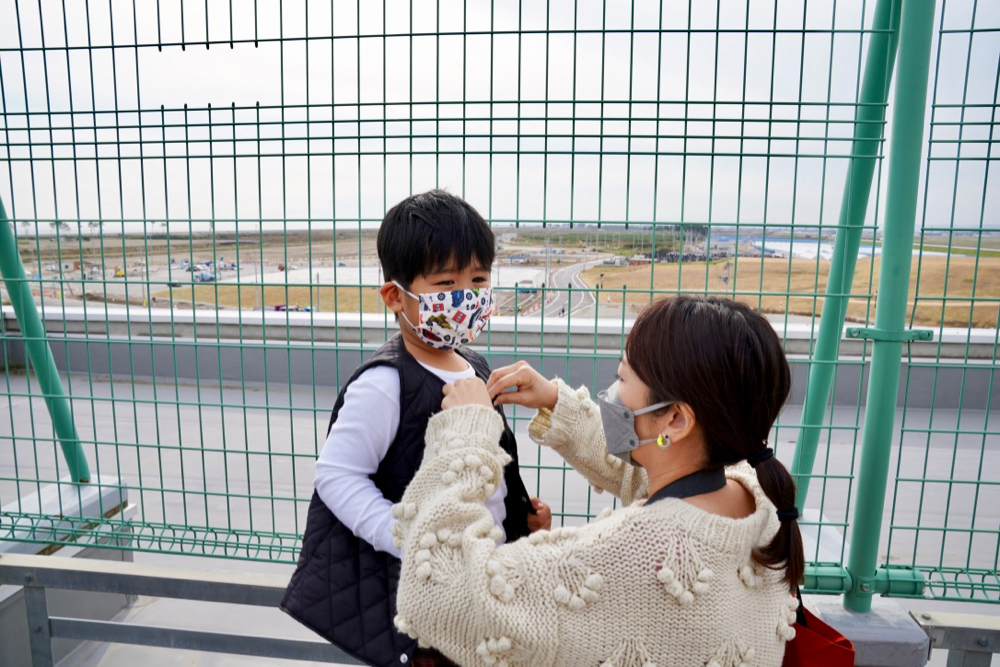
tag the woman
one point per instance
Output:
(699, 567)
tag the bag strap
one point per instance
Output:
(800, 613)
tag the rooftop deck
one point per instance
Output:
(260, 452)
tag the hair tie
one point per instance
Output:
(788, 515)
(760, 456)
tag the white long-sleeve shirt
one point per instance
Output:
(357, 443)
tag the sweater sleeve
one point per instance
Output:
(456, 584)
(574, 430)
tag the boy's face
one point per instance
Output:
(449, 278)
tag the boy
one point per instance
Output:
(436, 253)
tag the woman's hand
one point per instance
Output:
(532, 390)
(469, 391)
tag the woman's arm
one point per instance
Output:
(573, 428)
(458, 591)
(570, 423)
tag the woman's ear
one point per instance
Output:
(678, 421)
(392, 297)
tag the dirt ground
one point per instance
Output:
(971, 286)
(777, 285)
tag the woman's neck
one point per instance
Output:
(667, 467)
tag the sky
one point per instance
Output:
(356, 97)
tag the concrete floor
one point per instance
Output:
(265, 445)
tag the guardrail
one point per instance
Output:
(38, 573)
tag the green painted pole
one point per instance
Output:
(39, 352)
(869, 127)
(905, 147)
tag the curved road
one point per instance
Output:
(582, 296)
(561, 278)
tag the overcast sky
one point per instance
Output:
(805, 58)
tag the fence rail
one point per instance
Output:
(193, 194)
(37, 573)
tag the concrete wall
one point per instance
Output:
(122, 347)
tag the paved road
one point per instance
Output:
(582, 296)
(570, 276)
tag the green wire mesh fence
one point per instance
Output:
(194, 188)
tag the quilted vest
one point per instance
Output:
(342, 588)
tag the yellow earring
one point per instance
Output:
(662, 441)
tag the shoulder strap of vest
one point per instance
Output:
(391, 353)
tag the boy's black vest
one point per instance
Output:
(345, 590)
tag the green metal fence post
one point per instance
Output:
(906, 143)
(869, 127)
(39, 352)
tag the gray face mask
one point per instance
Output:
(619, 424)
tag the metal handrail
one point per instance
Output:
(37, 573)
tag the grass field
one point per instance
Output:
(348, 299)
(156, 247)
(777, 285)
(958, 250)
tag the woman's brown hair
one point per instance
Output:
(726, 362)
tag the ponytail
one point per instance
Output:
(785, 549)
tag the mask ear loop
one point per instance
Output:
(662, 440)
(411, 295)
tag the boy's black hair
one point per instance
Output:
(423, 233)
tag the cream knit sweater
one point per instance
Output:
(667, 584)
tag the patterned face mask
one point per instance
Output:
(449, 320)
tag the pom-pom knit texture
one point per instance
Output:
(667, 584)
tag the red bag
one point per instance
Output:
(817, 643)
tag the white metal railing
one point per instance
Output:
(38, 573)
